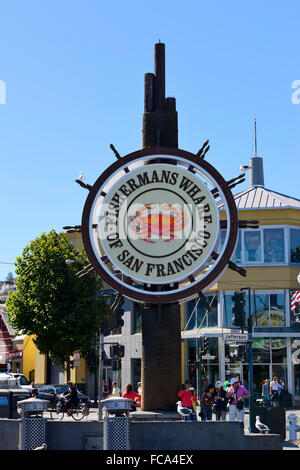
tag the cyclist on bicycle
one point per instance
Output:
(70, 397)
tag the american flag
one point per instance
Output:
(295, 299)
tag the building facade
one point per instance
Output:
(271, 256)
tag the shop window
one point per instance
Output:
(268, 310)
(227, 315)
(212, 317)
(278, 349)
(295, 245)
(274, 245)
(277, 308)
(280, 371)
(199, 317)
(261, 350)
(252, 246)
(261, 307)
(295, 313)
(137, 312)
(296, 364)
(190, 321)
(136, 373)
(227, 312)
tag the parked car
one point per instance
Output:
(53, 392)
(8, 381)
(25, 385)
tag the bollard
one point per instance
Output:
(293, 427)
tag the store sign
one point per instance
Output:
(151, 222)
(208, 357)
(17, 354)
(236, 337)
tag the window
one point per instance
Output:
(294, 245)
(261, 310)
(237, 256)
(274, 245)
(277, 308)
(261, 350)
(267, 308)
(137, 312)
(227, 310)
(295, 314)
(266, 245)
(198, 317)
(279, 354)
(252, 245)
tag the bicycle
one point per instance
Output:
(77, 412)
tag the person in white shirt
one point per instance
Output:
(274, 391)
(116, 392)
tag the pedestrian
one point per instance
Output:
(188, 399)
(281, 387)
(132, 395)
(220, 402)
(236, 395)
(226, 384)
(105, 389)
(116, 392)
(139, 389)
(274, 391)
(207, 403)
(265, 392)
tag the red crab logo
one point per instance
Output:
(154, 221)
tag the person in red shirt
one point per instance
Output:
(188, 399)
(132, 395)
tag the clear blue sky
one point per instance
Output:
(74, 74)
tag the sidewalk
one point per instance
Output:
(174, 416)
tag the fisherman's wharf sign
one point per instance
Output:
(151, 225)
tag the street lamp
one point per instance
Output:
(250, 333)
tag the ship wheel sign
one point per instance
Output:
(151, 225)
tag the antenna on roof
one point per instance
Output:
(255, 139)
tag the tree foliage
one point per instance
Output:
(51, 303)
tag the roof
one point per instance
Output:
(258, 197)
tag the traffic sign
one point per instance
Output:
(76, 359)
(208, 357)
(239, 337)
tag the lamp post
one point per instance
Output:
(250, 333)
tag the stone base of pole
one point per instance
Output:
(161, 357)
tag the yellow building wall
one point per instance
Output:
(28, 356)
(269, 216)
(40, 367)
(279, 277)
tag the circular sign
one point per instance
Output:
(163, 227)
(151, 225)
